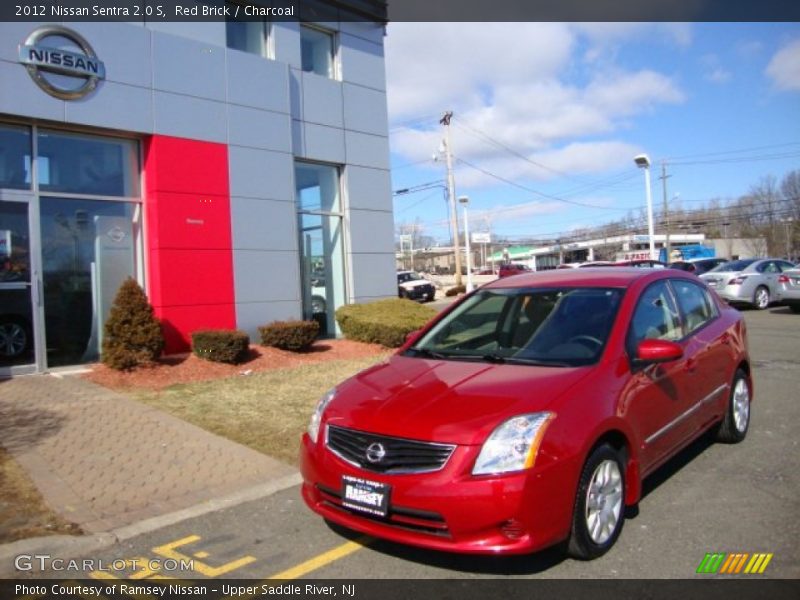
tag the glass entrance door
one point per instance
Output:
(87, 252)
(17, 345)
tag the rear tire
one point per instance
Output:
(795, 308)
(736, 421)
(599, 511)
(761, 298)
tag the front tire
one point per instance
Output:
(761, 298)
(599, 511)
(736, 421)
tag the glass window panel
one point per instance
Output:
(317, 188)
(16, 314)
(80, 164)
(656, 317)
(247, 36)
(695, 304)
(316, 47)
(321, 244)
(15, 157)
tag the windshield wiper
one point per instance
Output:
(514, 360)
(427, 353)
(538, 362)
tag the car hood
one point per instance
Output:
(445, 401)
(413, 284)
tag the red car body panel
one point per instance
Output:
(652, 411)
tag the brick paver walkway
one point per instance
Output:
(104, 461)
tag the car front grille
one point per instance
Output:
(384, 454)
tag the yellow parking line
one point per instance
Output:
(323, 559)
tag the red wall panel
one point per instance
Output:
(189, 254)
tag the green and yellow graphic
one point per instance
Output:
(723, 563)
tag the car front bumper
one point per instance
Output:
(420, 292)
(450, 509)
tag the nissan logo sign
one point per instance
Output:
(375, 452)
(52, 66)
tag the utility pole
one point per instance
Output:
(451, 191)
(663, 179)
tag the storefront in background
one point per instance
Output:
(239, 171)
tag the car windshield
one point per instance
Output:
(733, 265)
(403, 277)
(562, 327)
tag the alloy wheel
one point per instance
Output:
(741, 405)
(13, 339)
(762, 298)
(604, 501)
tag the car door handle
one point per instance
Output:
(691, 365)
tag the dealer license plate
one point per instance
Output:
(365, 496)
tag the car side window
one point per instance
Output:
(771, 267)
(785, 266)
(655, 317)
(695, 304)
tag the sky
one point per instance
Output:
(549, 116)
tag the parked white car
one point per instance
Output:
(413, 286)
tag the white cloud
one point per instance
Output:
(714, 71)
(432, 67)
(784, 68)
(525, 86)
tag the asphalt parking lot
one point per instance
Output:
(711, 498)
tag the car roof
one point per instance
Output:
(590, 277)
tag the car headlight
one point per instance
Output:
(316, 417)
(513, 445)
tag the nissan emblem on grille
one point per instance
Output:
(375, 452)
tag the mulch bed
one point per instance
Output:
(187, 368)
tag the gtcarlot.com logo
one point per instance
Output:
(723, 563)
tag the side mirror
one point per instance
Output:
(658, 351)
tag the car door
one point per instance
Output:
(713, 354)
(658, 399)
(769, 276)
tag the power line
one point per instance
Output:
(739, 151)
(533, 191)
(740, 159)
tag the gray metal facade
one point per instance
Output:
(180, 79)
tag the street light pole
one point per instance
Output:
(451, 190)
(464, 200)
(663, 178)
(643, 162)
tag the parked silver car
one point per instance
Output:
(752, 281)
(789, 289)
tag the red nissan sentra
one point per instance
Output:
(529, 413)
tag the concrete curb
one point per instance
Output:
(69, 547)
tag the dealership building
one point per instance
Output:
(238, 170)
